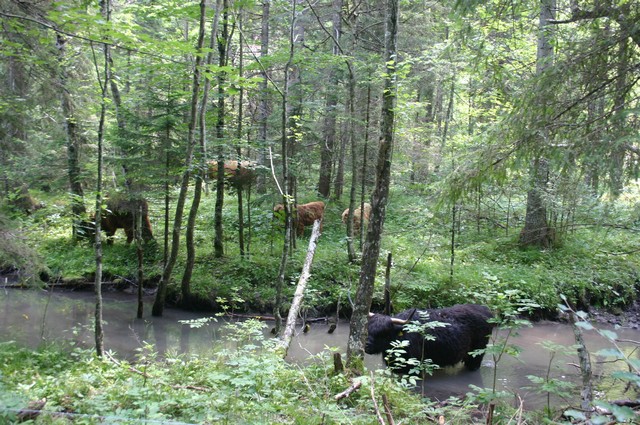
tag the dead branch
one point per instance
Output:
(346, 393)
(190, 387)
(375, 403)
(387, 409)
(131, 368)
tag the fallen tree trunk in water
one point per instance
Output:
(302, 285)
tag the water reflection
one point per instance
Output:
(35, 317)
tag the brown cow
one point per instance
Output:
(306, 215)
(120, 214)
(357, 216)
(239, 174)
(22, 201)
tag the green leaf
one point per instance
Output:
(610, 352)
(576, 414)
(585, 325)
(610, 335)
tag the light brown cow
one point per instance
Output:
(240, 174)
(305, 215)
(357, 216)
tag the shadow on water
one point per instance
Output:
(32, 318)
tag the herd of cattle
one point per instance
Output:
(446, 336)
(120, 211)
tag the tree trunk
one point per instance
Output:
(338, 182)
(158, 305)
(185, 285)
(15, 128)
(296, 36)
(327, 149)
(223, 43)
(74, 138)
(296, 303)
(354, 173)
(105, 10)
(263, 104)
(241, 188)
(140, 255)
(364, 293)
(619, 151)
(365, 153)
(536, 231)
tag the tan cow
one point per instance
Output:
(240, 174)
(357, 216)
(305, 215)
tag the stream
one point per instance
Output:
(33, 317)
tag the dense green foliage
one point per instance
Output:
(249, 383)
(483, 121)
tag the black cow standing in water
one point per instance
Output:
(468, 329)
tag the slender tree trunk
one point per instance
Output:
(354, 172)
(338, 181)
(388, 308)
(140, 255)
(294, 115)
(74, 138)
(536, 231)
(365, 154)
(288, 138)
(105, 9)
(16, 127)
(364, 294)
(158, 305)
(122, 124)
(327, 149)
(240, 188)
(263, 105)
(619, 151)
(185, 285)
(223, 42)
(167, 197)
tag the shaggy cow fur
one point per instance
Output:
(357, 216)
(239, 174)
(468, 329)
(305, 215)
(120, 214)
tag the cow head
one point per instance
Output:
(383, 330)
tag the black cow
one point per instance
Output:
(468, 329)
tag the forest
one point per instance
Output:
(308, 160)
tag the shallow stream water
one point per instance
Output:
(34, 317)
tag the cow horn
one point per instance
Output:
(397, 321)
(371, 314)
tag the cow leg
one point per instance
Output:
(129, 232)
(147, 235)
(473, 363)
(110, 233)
